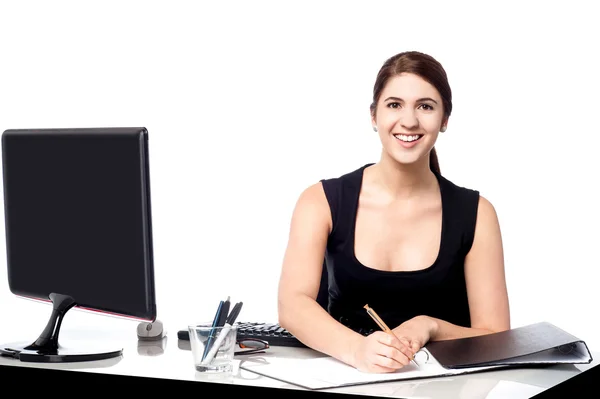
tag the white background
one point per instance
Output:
(247, 103)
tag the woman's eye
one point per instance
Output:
(427, 107)
(394, 105)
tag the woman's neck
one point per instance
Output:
(403, 181)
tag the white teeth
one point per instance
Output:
(406, 138)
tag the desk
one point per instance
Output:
(171, 358)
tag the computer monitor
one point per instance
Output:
(78, 230)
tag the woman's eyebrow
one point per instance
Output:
(419, 100)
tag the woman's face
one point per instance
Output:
(408, 117)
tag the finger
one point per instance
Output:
(392, 341)
(415, 346)
(405, 341)
(404, 346)
(397, 356)
(388, 363)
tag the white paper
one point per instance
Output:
(328, 372)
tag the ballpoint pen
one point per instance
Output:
(224, 313)
(230, 320)
(383, 326)
(215, 323)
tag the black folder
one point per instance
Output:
(538, 343)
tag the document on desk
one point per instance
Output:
(536, 344)
(328, 372)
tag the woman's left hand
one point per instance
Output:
(416, 332)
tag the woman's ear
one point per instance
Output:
(373, 120)
(444, 125)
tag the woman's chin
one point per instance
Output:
(409, 160)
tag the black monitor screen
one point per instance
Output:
(77, 214)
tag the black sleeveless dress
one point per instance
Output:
(437, 291)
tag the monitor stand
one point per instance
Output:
(46, 349)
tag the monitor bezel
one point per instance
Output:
(150, 313)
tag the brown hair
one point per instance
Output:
(428, 69)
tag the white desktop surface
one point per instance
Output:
(171, 358)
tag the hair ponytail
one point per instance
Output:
(433, 161)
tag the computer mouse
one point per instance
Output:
(151, 331)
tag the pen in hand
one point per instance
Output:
(383, 326)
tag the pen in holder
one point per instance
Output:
(213, 344)
(218, 321)
(219, 358)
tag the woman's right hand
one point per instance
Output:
(381, 352)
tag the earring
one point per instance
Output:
(443, 129)
(374, 128)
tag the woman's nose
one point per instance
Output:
(408, 119)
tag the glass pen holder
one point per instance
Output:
(213, 348)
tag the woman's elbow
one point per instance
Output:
(287, 309)
(282, 312)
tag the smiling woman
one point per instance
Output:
(414, 87)
(425, 253)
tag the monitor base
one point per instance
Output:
(85, 352)
(46, 348)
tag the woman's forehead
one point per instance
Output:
(409, 87)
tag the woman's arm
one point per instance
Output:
(299, 313)
(485, 279)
